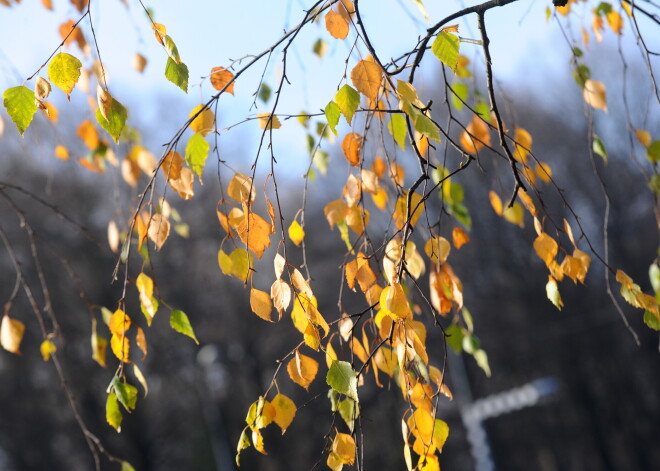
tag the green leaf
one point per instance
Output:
(445, 47)
(424, 125)
(470, 343)
(398, 129)
(483, 110)
(117, 116)
(126, 393)
(455, 338)
(604, 8)
(332, 114)
(179, 322)
(320, 47)
(345, 236)
(461, 213)
(20, 106)
(171, 49)
(177, 74)
(197, 150)
(348, 100)
(126, 466)
(321, 159)
(334, 400)
(654, 277)
(651, 320)
(599, 148)
(552, 291)
(264, 93)
(342, 379)
(461, 91)
(482, 360)
(349, 411)
(653, 152)
(112, 413)
(581, 74)
(654, 184)
(243, 443)
(64, 71)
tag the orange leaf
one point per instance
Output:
(159, 230)
(88, 134)
(351, 146)
(261, 304)
(459, 237)
(302, 369)
(336, 25)
(220, 77)
(366, 76)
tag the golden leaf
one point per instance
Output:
(495, 202)
(285, 411)
(119, 323)
(335, 212)
(644, 137)
(475, 136)
(204, 122)
(240, 188)
(121, 348)
(61, 152)
(172, 165)
(523, 144)
(395, 301)
(159, 230)
(343, 446)
(336, 25)
(302, 369)
(261, 304)
(296, 233)
(11, 334)
(459, 237)
(269, 121)
(88, 134)
(546, 248)
(615, 21)
(366, 76)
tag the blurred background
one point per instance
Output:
(570, 389)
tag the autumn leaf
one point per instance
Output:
(159, 230)
(220, 77)
(595, 94)
(238, 263)
(261, 304)
(459, 237)
(445, 47)
(197, 151)
(302, 369)
(116, 117)
(336, 25)
(269, 121)
(348, 100)
(552, 291)
(546, 248)
(241, 188)
(139, 62)
(475, 136)
(148, 303)
(366, 77)
(64, 71)
(351, 145)
(341, 377)
(11, 334)
(285, 411)
(280, 293)
(112, 413)
(296, 233)
(204, 120)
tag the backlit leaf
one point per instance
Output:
(179, 321)
(20, 106)
(204, 121)
(116, 121)
(148, 303)
(171, 49)
(241, 188)
(296, 233)
(595, 94)
(343, 446)
(112, 413)
(351, 145)
(99, 346)
(119, 323)
(47, 348)
(336, 25)
(64, 71)
(599, 148)
(285, 411)
(126, 393)
(552, 291)
(177, 74)
(280, 292)
(399, 129)
(11, 334)
(159, 230)
(546, 248)
(121, 348)
(139, 62)
(302, 369)
(261, 304)
(332, 114)
(644, 137)
(366, 77)
(341, 377)
(459, 237)
(269, 121)
(220, 77)
(445, 47)
(238, 263)
(348, 100)
(197, 151)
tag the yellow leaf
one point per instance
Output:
(459, 237)
(51, 112)
(120, 347)
(344, 447)
(159, 230)
(302, 369)
(204, 123)
(527, 202)
(254, 231)
(572, 267)
(99, 345)
(238, 263)
(61, 152)
(336, 25)
(644, 137)
(552, 291)
(515, 214)
(437, 249)
(269, 121)
(595, 94)
(544, 172)
(366, 76)
(351, 145)
(11, 334)
(400, 210)
(428, 463)
(141, 342)
(220, 77)
(119, 323)
(241, 188)
(145, 287)
(172, 165)
(421, 425)
(495, 202)
(380, 198)
(523, 144)
(379, 167)
(160, 31)
(615, 21)
(261, 304)
(296, 233)
(546, 248)
(394, 300)
(285, 411)
(585, 261)
(335, 212)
